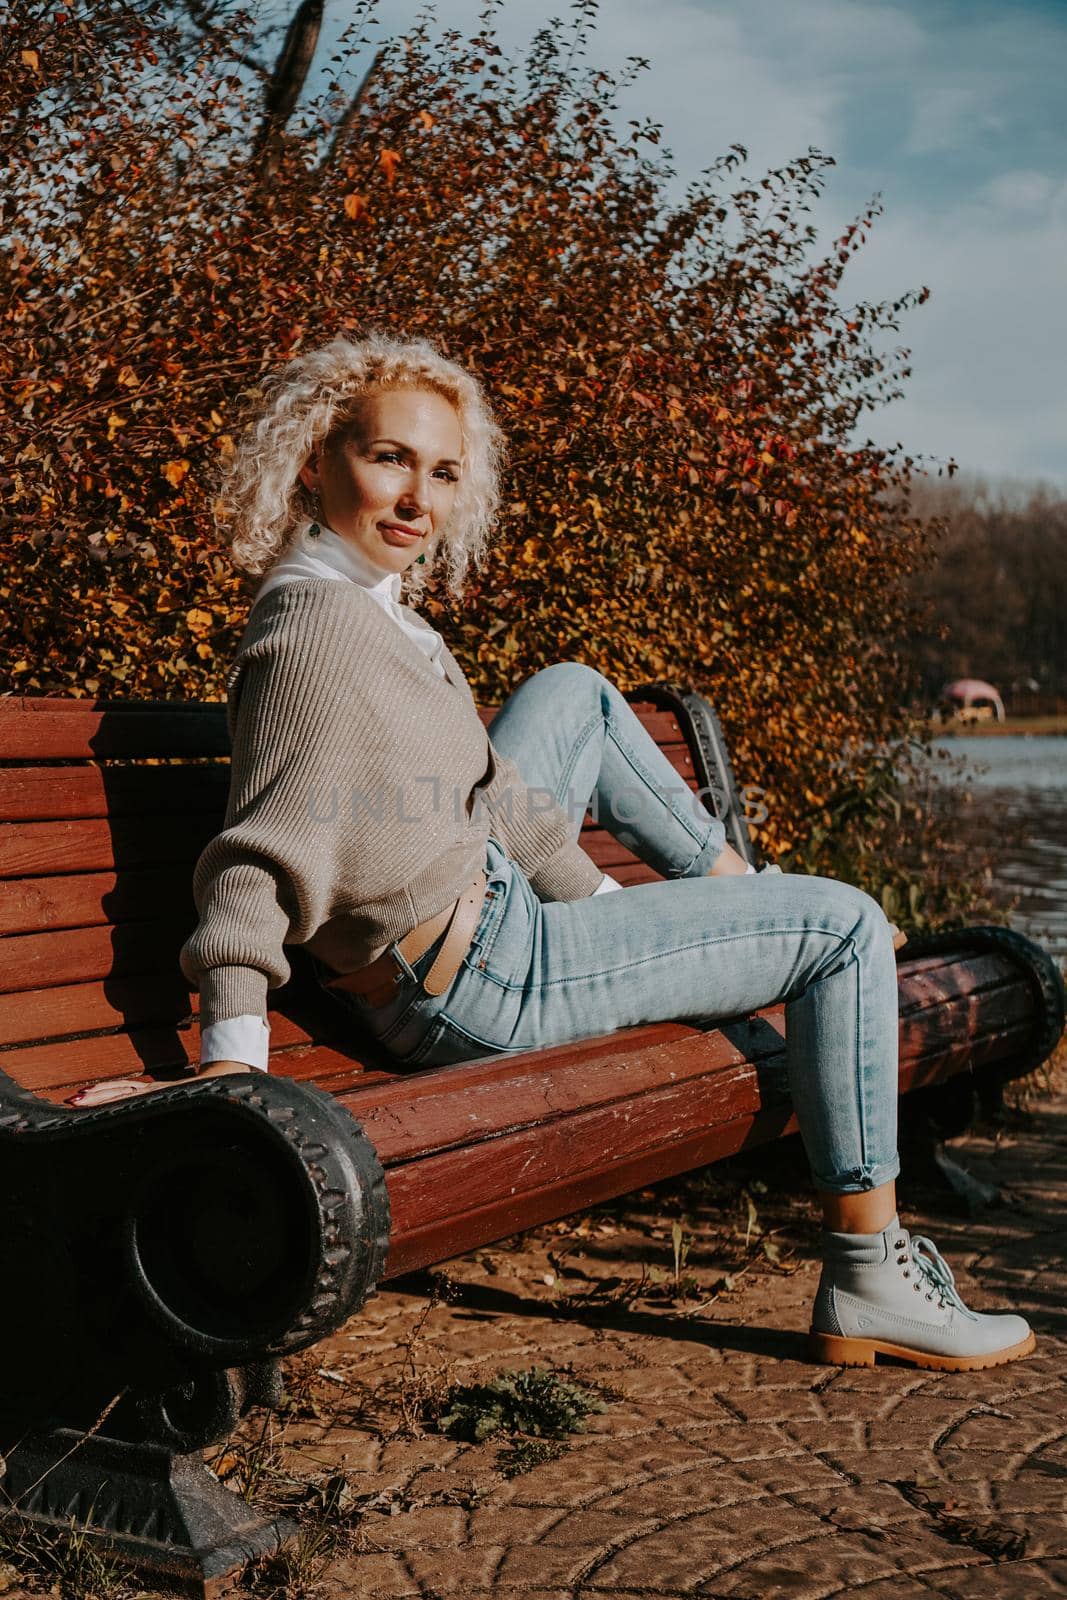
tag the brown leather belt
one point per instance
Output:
(457, 922)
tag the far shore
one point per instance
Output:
(1016, 725)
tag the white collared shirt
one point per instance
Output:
(326, 555)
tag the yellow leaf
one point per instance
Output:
(226, 1465)
(765, 455)
(174, 471)
(859, 536)
(198, 620)
(31, 59)
(114, 423)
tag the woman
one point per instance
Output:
(444, 896)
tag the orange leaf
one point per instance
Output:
(426, 120)
(31, 59)
(355, 206)
(389, 160)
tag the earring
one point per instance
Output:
(316, 507)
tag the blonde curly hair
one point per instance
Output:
(259, 500)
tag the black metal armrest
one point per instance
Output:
(224, 1221)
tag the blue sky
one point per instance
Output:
(951, 109)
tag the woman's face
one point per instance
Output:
(388, 480)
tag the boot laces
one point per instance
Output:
(935, 1271)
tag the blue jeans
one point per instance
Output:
(693, 948)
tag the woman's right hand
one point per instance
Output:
(108, 1090)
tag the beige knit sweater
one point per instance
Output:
(352, 812)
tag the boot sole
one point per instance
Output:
(841, 1352)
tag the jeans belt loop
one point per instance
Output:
(458, 921)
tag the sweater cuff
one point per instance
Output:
(231, 992)
(569, 874)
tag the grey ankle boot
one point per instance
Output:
(890, 1294)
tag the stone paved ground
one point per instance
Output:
(725, 1462)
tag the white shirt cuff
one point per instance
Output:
(608, 885)
(245, 1039)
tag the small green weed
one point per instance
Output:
(526, 1454)
(535, 1401)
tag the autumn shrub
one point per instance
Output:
(677, 378)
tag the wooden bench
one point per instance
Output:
(160, 1255)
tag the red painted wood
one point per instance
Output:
(41, 794)
(39, 728)
(28, 849)
(441, 1207)
(87, 899)
(78, 955)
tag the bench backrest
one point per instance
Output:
(104, 809)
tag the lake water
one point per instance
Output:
(1018, 788)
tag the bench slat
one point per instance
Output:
(39, 728)
(43, 794)
(44, 727)
(78, 955)
(407, 1129)
(447, 1204)
(29, 849)
(88, 899)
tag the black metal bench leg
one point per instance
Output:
(148, 1497)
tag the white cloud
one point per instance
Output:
(1025, 192)
(986, 348)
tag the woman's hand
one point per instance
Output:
(102, 1094)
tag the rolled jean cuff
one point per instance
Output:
(857, 1180)
(709, 853)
